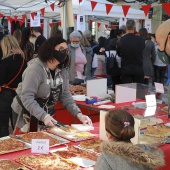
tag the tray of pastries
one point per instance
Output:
(46, 162)
(71, 133)
(53, 139)
(78, 155)
(159, 130)
(8, 145)
(77, 89)
(6, 164)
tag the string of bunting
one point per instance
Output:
(126, 8)
(23, 17)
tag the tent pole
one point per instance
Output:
(65, 21)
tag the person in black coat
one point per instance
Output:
(13, 60)
(130, 49)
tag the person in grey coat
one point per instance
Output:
(89, 53)
(119, 153)
(149, 55)
(44, 82)
(78, 59)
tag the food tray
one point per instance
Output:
(70, 136)
(61, 140)
(83, 162)
(27, 146)
(46, 160)
(13, 164)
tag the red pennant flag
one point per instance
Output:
(106, 26)
(59, 3)
(167, 8)
(80, 1)
(51, 24)
(98, 24)
(41, 26)
(140, 21)
(93, 4)
(42, 11)
(24, 17)
(91, 21)
(125, 9)
(32, 15)
(75, 17)
(1, 15)
(146, 9)
(108, 8)
(59, 23)
(21, 22)
(15, 18)
(9, 19)
(52, 6)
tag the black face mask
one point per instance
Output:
(60, 55)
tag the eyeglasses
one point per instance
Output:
(63, 50)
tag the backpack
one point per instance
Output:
(112, 67)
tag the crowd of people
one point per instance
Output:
(128, 57)
(35, 73)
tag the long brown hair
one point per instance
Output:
(120, 124)
(144, 33)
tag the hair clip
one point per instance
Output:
(126, 124)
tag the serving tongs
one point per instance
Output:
(58, 124)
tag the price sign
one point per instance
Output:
(159, 87)
(150, 100)
(40, 146)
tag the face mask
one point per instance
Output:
(60, 55)
(75, 45)
(163, 56)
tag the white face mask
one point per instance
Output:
(107, 32)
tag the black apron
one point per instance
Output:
(47, 104)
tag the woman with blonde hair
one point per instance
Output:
(11, 68)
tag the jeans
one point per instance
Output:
(6, 98)
(159, 73)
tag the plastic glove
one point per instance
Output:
(49, 121)
(84, 119)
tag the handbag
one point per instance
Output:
(112, 67)
(7, 85)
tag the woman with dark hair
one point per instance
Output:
(119, 153)
(111, 54)
(149, 55)
(44, 82)
(26, 45)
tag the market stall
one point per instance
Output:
(66, 142)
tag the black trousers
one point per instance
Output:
(159, 73)
(6, 98)
(116, 80)
(127, 78)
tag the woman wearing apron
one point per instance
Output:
(44, 82)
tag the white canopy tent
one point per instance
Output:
(18, 7)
